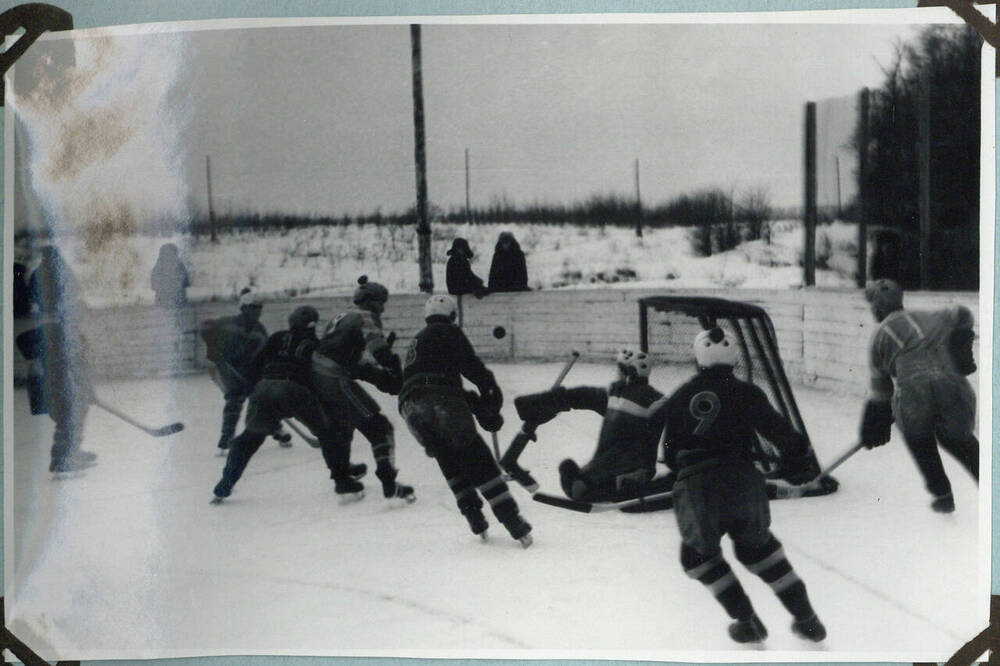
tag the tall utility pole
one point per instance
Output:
(468, 209)
(211, 208)
(420, 157)
(924, 178)
(810, 213)
(863, 206)
(638, 202)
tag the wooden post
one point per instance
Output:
(638, 203)
(211, 208)
(809, 213)
(924, 174)
(864, 137)
(468, 208)
(420, 157)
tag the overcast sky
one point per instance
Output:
(320, 119)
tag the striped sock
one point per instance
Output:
(495, 492)
(770, 563)
(715, 574)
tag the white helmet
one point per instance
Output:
(633, 363)
(714, 347)
(441, 305)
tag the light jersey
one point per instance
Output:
(913, 345)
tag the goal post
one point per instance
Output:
(667, 328)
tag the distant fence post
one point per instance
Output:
(809, 211)
(862, 208)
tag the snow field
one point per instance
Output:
(130, 560)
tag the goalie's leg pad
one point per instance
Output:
(769, 562)
(714, 572)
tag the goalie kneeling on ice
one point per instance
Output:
(624, 463)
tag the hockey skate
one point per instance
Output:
(944, 503)
(357, 470)
(810, 628)
(72, 464)
(221, 491)
(390, 489)
(520, 530)
(283, 438)
(750, 630)
(477, 522)
(349, 490)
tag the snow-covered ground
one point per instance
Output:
(130, 560)
(328, 260)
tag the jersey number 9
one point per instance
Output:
(705, 408)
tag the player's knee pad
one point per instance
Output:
(750, 554)
(692, 560)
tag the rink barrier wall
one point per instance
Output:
(822, 334)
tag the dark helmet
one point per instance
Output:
(367, 291)
(304, 316)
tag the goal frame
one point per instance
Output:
(757, 335)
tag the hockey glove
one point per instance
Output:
(491, 396)
(490, 421)
(539, 408)
(960, 347)
(876, 423)
(798, 470)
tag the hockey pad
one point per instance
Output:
(31, 343)
(960, 347)
(539, 408)
(876, 423)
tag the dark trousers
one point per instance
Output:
(69, 417)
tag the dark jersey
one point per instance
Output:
(440, 353)
(715, 417)
(630, 432)
(350, 335)
(233, 340)
(288, 355)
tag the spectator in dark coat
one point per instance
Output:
(52, 286)
(170, 278)
(509, 271)
(22, 298)
(459, 275)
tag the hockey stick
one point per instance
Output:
(816, 484)
(155, 432)
(310, 440)
(509, 460)
(595, 507)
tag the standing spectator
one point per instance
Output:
(459, 275)
(22, 298)
(52, 286)
(170, 278)
(509, 271)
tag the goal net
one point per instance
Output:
(668, 326)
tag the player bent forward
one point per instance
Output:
(231, 346)
(438, 413)
(624, 462)
(929, 354)
(283, 392)
(711, 426)
(341, 357)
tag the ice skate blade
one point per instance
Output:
(351, 498)
(484, 537)
(217, 500)
(69, 476)
(285, 445)
(526, 541)
(221, 453)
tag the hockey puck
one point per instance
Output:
(499, 332)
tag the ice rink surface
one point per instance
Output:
(130, 560)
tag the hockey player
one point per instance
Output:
(625, 460)
(283, 392)
(711, 426)
(929, 355)
(59, 385)
(354, 348)
(232, 345)
(438, 413)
